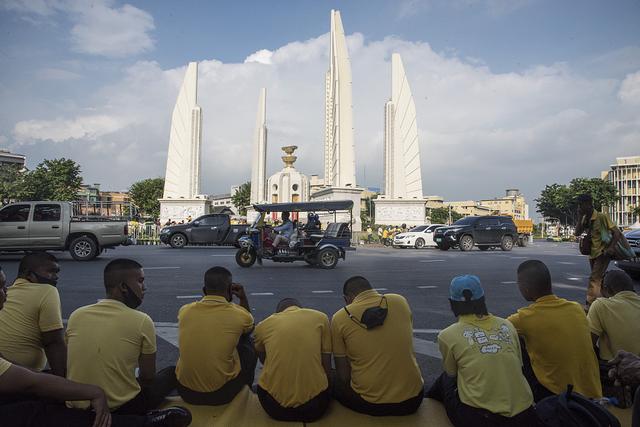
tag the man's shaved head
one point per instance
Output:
(118, 271)
(286, 303)
(217, 280)
(616, 281)
(534, 279)
(355, 285)
(34, 262)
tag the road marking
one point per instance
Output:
(188, 296)
(566, 263)
(379, 289)
(432, 260)
(426, 331)
(565, 286)
(261, 293)
(518, 257)
(511, 282)
(322, 292)
(427, 287)
(428, 348)
(224, 255)
(161, 268)
(575, 279)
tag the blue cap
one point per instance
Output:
(460, 283)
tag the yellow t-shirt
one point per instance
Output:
(616, 321)
(383, 364)
(209, 331)
(105, 341)
(4, 366)
(484, 354)
(31, 309)
(294, 340)
(559, 344)
(599, 221)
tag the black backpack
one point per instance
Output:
(571, 409)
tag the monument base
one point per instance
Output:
(180, 209)
(400, 211)
(340, 193)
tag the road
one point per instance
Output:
(174, 278)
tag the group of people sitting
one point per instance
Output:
(495, 369)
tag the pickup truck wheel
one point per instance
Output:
(83, 248)
(419, 243)
(245, 257)
(178, 241)
(328, 258)
(507, 243)
(466, 243)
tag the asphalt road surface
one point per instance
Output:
(174, 278)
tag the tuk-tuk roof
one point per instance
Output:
(329, 205)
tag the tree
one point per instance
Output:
(145, 194)
(11, 183)
(242, 198)
(441, 215)
(57, 179)
(559, 201)
(636, 213)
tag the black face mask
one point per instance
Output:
(45, 280)
(131, 300)
(372, 317)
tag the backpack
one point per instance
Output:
(571, 409)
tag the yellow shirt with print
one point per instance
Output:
(31, 309)
(383, 363)
(558, 340)
(294, 340)
(209, 331)
(4, 366)
(104, 342)
(599, 221)
(616, 321)
(484, 354)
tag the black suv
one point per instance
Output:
(482, 231)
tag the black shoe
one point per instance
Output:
(175, 416)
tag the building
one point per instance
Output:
(512, 204)
(468, 208)
(288, 185)
(89, 193)
(8, 158)
(625, 176)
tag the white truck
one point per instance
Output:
(50, 225)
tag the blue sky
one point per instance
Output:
(520, 82)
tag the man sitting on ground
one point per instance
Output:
(285, 230)
(377, 372)
(31, 330)
(482, 384)
(217, 359)
(613, 320)
(109, 340)
(557, 338)
(294, 344)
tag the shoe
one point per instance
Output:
(175, 416)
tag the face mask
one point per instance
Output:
(45, 280)
(131, 300)
(372, 317)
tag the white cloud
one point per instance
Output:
(98, 27)
(480, 132)
(57, 74)
(263, 56)
(630, 89)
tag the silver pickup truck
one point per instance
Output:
(31, 226)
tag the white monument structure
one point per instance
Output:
(403, 201)
(182, 197)
(259, 158)
(288, 185)
(339, 157)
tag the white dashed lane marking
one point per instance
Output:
(566, 263)
(432, 260)
(162, 268)
(511, 282)
(188, 296)
(223, 255)
(322, 292)
(261, 293)
(427, 287)
(379, 289)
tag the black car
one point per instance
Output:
(482, 231)
(205, 230)
(632, 267)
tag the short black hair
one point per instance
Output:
(469, 306)
(115, 271)
(32, 261)
(355, 285)
(537, 276)
(217, 279)
(285, 303)
(617, 281)
(584, 198)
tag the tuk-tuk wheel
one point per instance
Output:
(245, 257)
(328, 258)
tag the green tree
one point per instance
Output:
(441, 215)
(11, 183)
(145, 194)
(241, 198)
(636, 212)
(56, 179)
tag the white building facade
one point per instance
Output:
(625, 176)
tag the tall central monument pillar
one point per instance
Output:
(339, 155)
(181, 197)
(259, 158)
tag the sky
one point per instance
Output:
(509, 93)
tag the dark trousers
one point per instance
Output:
(598, 268)
(445, 389)
(35, 413)
(539, 391)
(152, 395)
(635, 420)
(344, 394)
(305, 413)
(227, 392)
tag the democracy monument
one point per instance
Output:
(402, 201)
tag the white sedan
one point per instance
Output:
(418, 237)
